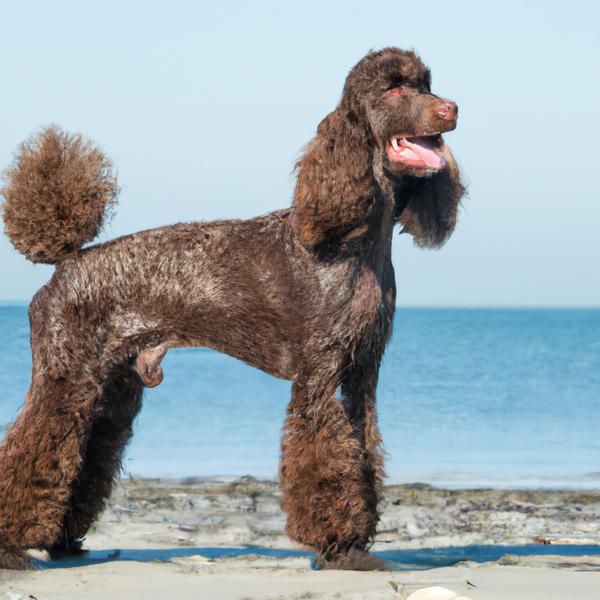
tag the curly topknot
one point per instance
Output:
(58, 193)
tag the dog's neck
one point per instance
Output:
(404, 188)
(396, 190)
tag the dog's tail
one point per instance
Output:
(58, 193)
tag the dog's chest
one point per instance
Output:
(355, 303)
(367, 299)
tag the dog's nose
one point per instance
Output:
(447, 110)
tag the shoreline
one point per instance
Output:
(154, 537)
(452, 482)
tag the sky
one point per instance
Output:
(205, 107)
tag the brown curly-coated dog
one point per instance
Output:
(306, 294)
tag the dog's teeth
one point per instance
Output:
(395, 144)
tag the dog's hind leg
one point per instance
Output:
(327, 501)
(41, 458)
(111, 430)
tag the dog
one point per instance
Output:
(306, 294)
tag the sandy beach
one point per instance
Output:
(165, 539)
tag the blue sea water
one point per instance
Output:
(467, 397)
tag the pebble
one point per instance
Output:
(435, 593)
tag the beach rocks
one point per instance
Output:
(212, 511)
(435, 593)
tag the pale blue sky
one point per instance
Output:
(205, 107)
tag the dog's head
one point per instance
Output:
(391, 90)
(386, 134)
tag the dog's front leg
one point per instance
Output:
(327, 502)
(358, 397)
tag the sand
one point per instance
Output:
(195, 513)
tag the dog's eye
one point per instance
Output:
(395, 83)
(401, 90)
(397, 89)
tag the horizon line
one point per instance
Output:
(23, 302)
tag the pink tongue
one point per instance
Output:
(429, 157)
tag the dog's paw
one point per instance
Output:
(15, 560)
(70, 548)
(352, 560)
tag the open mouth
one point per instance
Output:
(421, 152)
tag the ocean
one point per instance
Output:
(467, 398)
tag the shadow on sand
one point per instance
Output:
(396, 560)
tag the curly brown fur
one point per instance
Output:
(322, 477)
(57, 195)
(306, 294)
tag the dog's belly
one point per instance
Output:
(223, 285)
(260, 338)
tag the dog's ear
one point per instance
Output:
(430, 205)
(335, 188)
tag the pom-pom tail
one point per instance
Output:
(58, 193)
